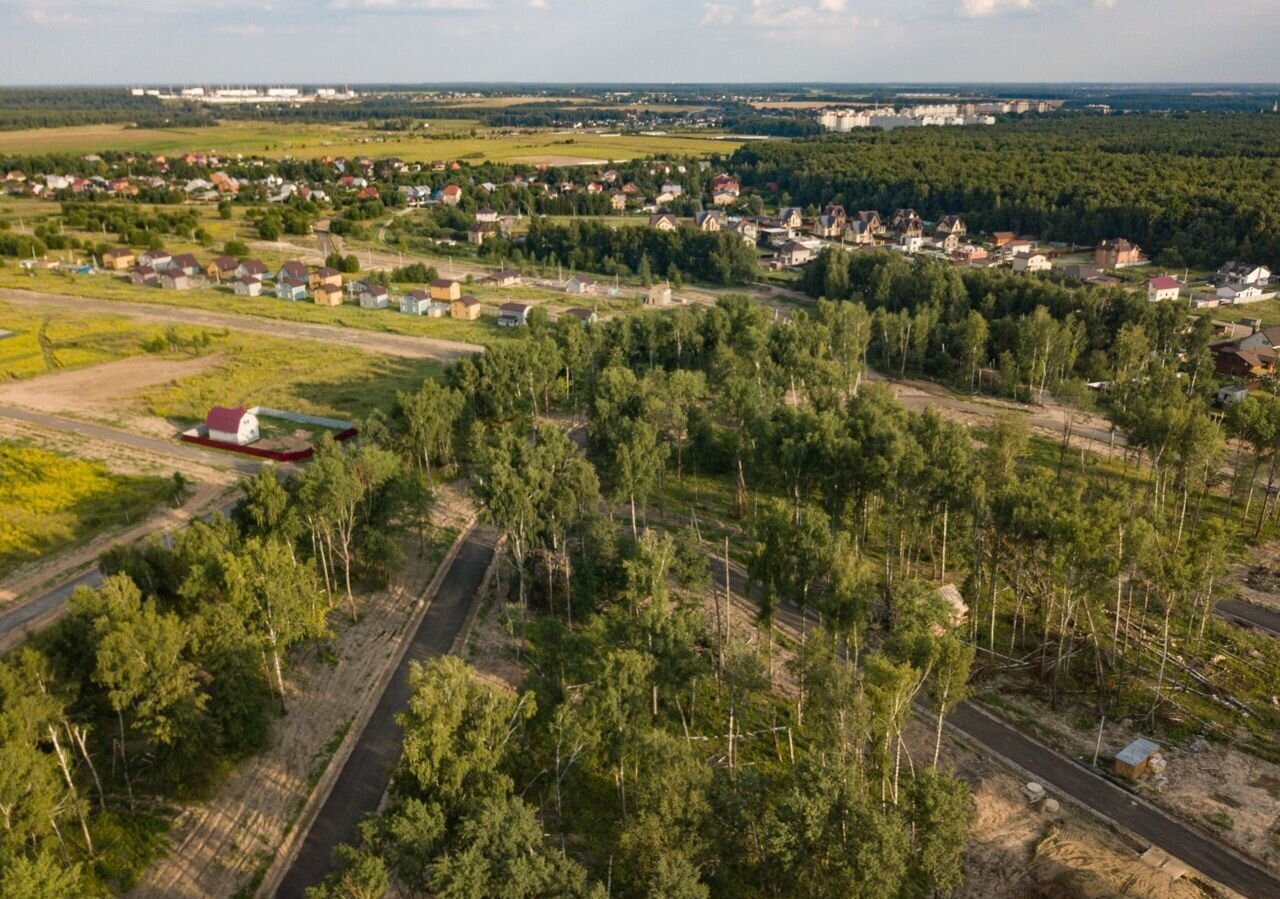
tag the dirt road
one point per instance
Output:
(401, 345)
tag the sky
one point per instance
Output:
(649, 41)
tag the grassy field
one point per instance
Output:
(281, 139)
(299, 376)
(49, 501)
(484, 331)
(72, 340)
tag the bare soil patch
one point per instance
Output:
(217, 847)
(1230, 794)
(1257, 578)
(107, 392)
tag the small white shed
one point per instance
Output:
(237, 425)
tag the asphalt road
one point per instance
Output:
(1106, 798)
(364, 778)
(1073, 779)
(1249, 614)
(386, 344)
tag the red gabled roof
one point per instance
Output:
(221, 418)
(1164, 282)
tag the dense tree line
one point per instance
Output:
(651, 751)
(928, 317)
(1196, 189)
(172, 670)
(594, 246)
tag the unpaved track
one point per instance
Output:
(402, 345)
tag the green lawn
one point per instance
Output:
(107, 287)
(49, 501)
(298, 376)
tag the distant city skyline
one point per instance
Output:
(659, 41)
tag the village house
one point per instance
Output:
(1163, 288)
(586, 316)
(374, 296)
(325, 277)
(870, 220)
(674, 190)
(581, 285)
(445, 290)
(663, 221)
(791, 217)
(478, 233)
(223, 268)
(143, 274)
(664, 198)
(511, 315)
(950, 224)
(794, 253)
(724, 198)
(185, 263)
(1243, 274)
(175, 279)
(1031, 262)
(237, 426)
(118, 259)
(465, 308)
(255, 269)
(327, 295)
(291, 269)
(291, 289)
(1117, 253)
(248, 286)
(910, 243)
(618, 201)
(451, 195)
(415, 302)
(747, 229)
(948, 243)
(156, 259)
(826, 226)
(508, 277)
(837, 212)
(907, 222)
(486, 215)
(708, 220)
(860, 233)
(1000, 239)
(658, 295)
(1236, 294)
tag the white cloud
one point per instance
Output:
(718, 14)
(822, 17)
(54, 18)
(538, 4)
(1104, 4)
(978, 8)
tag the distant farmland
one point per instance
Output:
(463, 141)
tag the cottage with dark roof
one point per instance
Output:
(236, 425)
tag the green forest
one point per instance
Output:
(1192, 189)
(662, 744)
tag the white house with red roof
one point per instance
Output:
(1163, 288)
(232, 425)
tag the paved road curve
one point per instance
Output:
(1250, 614)
(365, 776)
(1101, 795)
